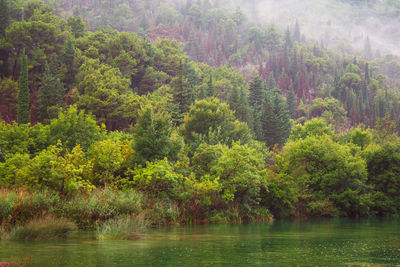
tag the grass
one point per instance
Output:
(123, 228)
(43, 228)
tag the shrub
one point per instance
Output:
(122, 228)
(44, 228)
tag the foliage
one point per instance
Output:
(45, 228)
(153, 139)
(123, 228)
(73, 127)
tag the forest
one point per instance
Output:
(115, 113)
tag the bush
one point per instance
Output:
(19, 207)
(162, 213)
(122, 228)
(44, 228)
(101, 205)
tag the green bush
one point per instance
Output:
(122, 228)
(44, 228)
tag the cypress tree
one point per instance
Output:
(24, 115)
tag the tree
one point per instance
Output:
(69, 55)
(275, 119)
(291, 102)
(73, 127)
(182, 96)
(256, 96)
(8, 99)
(238, 102)
(51, 93)
(153, 139)
(24, 115)
(367, 49)
(4, 17)
(330, 176)
(213, 122)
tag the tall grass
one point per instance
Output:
(43, 228)
(22, 205)
(123, 228)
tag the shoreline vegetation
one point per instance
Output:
(109, 131)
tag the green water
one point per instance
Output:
(281, 243)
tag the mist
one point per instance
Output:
(336, 24)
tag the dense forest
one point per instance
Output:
(188, 112)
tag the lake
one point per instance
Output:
(336, 242)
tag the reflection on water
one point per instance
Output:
(296, 243)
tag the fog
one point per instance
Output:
(336, 23)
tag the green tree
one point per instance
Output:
(73, 127)
(68, 56)
(256, 96)
(275, 119)
(51, 93)
(154, 139)
(4, 17)
(213, 122)
(383, 164)
(24, 115)
(291, 102)
(182, 96)
(327, 173)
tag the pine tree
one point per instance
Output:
(271, 82)
(275, 119)
(4, 22)
(288, 38)
(291, 102)
(182, 97)
(24, 115)
(367, 49)
(51, 92)
(257, 93)
(210, 87)
(297, 35)
(69, 55)
(4, 17)
(237, 100)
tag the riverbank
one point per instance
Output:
(28, 214)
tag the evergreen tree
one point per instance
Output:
(152, 138)
(4, 17)
(297, 35)
(182, 97)
(271, 82)
(288, 38)
(291, 102)
(367, 49)
(69, 55)
(210, 87)
(51, 92)
(24, 115)
(257, 93)
(275, 120)
(4, 22)
(238, 102)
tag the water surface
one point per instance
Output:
(335, 242)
